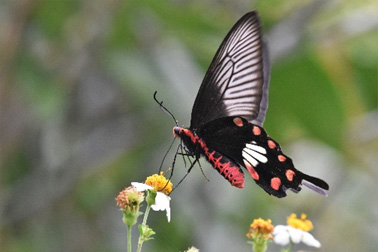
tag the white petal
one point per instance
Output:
(282, 238)
(162, 203)
(141, 187)
(295, 234)
(310, 240)
(168, 214)
(279, 228)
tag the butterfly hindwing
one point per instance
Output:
(250, 146)
(236, 82)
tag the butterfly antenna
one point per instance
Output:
(165, 109)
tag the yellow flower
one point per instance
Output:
(260, 232)
(303, 223)
(260, 227)
(158, 187)
(160, 183)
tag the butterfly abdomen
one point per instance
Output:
(226, 167)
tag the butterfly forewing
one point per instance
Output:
(234, 83)
(259, 120)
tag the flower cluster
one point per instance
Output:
(129, 197)
(157, 187)
(260, 227)
(261, 231)
(154, 190)
(160, 183)
(295, 232)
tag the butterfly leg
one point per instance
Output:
(188, 171)
(203, 173)
(165, 155)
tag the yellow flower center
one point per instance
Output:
(160, 183)
(260, 227)
(303, 223)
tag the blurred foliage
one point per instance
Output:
(78, 122)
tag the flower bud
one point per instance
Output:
(129, 201)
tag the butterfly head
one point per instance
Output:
(177, 131)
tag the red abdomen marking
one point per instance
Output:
(227, 168)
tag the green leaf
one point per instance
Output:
(146, 233)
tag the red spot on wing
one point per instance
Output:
(271, 144)
(256, 130)
(238, 121)
(281, 158)
(290, 175)
(251, 170)
(275, 183)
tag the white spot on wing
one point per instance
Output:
(257, 148)
(254, 154)
(249, 158)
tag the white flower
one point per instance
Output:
(192, 249)
(161, 200)
(283, 234)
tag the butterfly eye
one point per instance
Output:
(177, 131)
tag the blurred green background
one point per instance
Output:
(78, 122)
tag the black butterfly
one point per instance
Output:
(229, 111)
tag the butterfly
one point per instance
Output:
(228, 115)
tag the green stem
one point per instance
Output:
(291, 245)
(290, 248)
(146, 215)
(129, 238)
(260, 245)
(140, 241)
